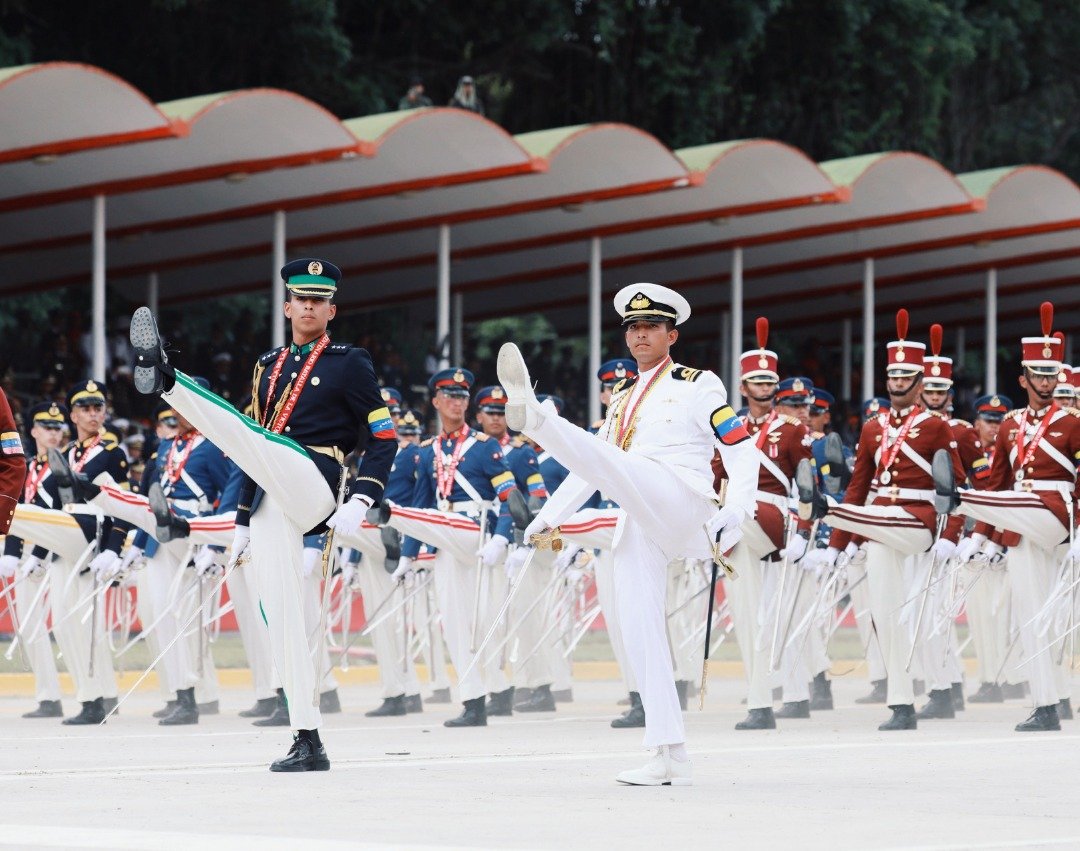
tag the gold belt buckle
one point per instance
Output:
(549, 540)
(894, 493)
(1027, 485)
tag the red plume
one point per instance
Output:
(935, 339)
(762, 331)
(901, 324)
(1046, 316)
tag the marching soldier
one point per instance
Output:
(894, 455)
(1032, 493)
(27, 579)
(652, 455)
(312, 402)
(460, 507)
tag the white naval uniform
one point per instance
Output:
(663, 484)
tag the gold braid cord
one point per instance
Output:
(256, 379)
(549, 540)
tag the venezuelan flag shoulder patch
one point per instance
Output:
(728, 426)
(11, 443)
(503, 484)
(382, 427)
(980, 468)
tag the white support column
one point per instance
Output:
(97, 335)
(736, 317)
(595, 269)
(725, 354)
(868, 329)
(991, 331)
(277, 285)
(845, 362)
(152, 292)
(457, 320)
(442, 298)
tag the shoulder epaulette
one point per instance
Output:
(1015, 412)
(1073, 411)
(624, 384)
(817, 435)
(110, 444)
(519, 441)
(153, 456)
(958, 421)
(427, 442)
(685, 373)
(267, 357)
(481, 436)
(938, 414)
(338, 349)
(795, 421)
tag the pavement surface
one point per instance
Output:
(539, 781)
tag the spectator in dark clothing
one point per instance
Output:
(465, 96)
(415, 96)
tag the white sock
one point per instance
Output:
(678, 752)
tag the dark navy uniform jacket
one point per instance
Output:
(482, 465)
(402, 481)
(525, 465)
(341, 407)
(47, 496)
(104, 457)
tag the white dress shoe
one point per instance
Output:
(522, 409)
(661, 770)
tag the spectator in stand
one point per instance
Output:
(465, 96)
(415, 96)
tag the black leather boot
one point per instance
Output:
(152, 371)
(186, 712)
(169, 526)
(263, 708)
(501, 703)
(390, 706)
(681, 687)
(329, 702)
(903, 718)
(878, 691)
(439, 695)
(940, 705)
(46, 709)
(1065, 712)
(93, 712)
(1043, 719)
(632, 717)
(73, 487)
(794, 709)
(541, 701)
(279, 717)
(812, 505)
(522, 694)
(758, 719)
(946, 497)
(306, 754)
(473, 715)
(166, 710)
(821, 693)
(391, 541)
(988, 693)
(413, 704)
(958, 696)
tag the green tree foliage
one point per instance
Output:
(973, 83)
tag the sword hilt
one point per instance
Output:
(548, 540)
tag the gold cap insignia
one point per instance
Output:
(995, 401)
(91, 386)
(798, 386)
(874, 406)
(935, 370)
(1062, 377)
(314, 267)
(459, 376)
(639, 302)
(385, 395)
(497, 393)
(1047, 351)
(620, 371)
(54, 411)
(763, 362)
(900, 354)
(409, 418)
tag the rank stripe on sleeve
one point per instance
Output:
(728, 427)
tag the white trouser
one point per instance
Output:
(683, 580)
(53, 530)
(73, 637)
(134, 508)
(935, 641)
(594, 528)
(397, 671)
(32, 623)
(665, 518)
(531, 621)
(860, 603)
(312, 585)
(892, 535)
(296, 499)
(987, 615)
(254, 634)
(749, 611)
(144, 608)
(799, 598)
(426, 616)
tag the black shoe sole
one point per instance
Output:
(945, 496)
(146, 341)
(811, 505)
(61, 472)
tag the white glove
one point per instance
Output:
(944, 549)
(851, 550)
(536, 527)
(796, 548)
(105, 566)
(566, 558)
(405, 567)
(1074, 550)
(132, 554)
(818, 560)
(494, 550)
(515, 561)
(724, 521)
(32, 568)
(240, 541)
(969, 546)
(348, 518)
(7, 566)
(209, 562)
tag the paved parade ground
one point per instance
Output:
(541, 781)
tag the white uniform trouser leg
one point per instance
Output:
(559, 638)
(73, 636)
(454, 587)
(206, 685)
(388, 638)
(530, 620)
(144, 608)
(860, 603)
(985, 605)
(641, 585)
(893, 535)
(684, 579)
(312, 585)
(426, 616)
(795, 672)
(216, 529)
(165, 586)
(38, 646)
(749, 611)
(933, 640)
(594, 528)
(55, 531)
(253, 632)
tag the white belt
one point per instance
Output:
(196, 506)
(904, 493)
(468, 506)
(1064, 488)
(780, 502)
